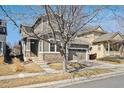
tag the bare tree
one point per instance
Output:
(68, 19)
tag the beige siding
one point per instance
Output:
(39, 27)
(118, 37)
(89, 37)
(99, 49)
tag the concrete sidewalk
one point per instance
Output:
(21, 75)
(62, 83)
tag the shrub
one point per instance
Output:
(1, 60)
(78, 65)
(17, 63)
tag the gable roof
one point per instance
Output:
(89, 29)
(106, 37)
(123, 36)
(80, 41)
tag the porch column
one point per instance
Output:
(87, 55)
(23, 48)
(108, 48)
(28, 47)
(1, 49)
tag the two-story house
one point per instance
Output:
(41, 50)
(102, 43)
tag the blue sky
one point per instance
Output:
(27, 15)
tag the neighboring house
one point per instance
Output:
(92, 40)
(102, 43)
(3, 34)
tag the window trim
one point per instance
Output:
(55, 47)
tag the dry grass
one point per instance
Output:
(57, 66)
(90, 72)
(77, 65)
(115, 63)
(17, 66)
(33, 80)
(32, 67)
(51, 77)
(1, 60)
(7, 69)
(113, 60)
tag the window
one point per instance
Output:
(58, 47)
(40, 45)
(52, 47)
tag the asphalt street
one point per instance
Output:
(112, 82)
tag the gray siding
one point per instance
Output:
(45, 46)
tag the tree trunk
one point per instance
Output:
(65, 59)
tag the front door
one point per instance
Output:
(34, 48)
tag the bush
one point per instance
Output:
(17, 63)
(1, 60)
(78, 65)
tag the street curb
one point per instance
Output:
(67, 82)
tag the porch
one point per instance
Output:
(31, 49)
(108, 48)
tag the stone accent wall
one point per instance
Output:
(52, 57)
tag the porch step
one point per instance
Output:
(37, 60)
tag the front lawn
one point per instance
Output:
(113, 59)
(59, 66)
(17, 66)
(51, 77)
(90, 72)
(33, 80)
(56, 66)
